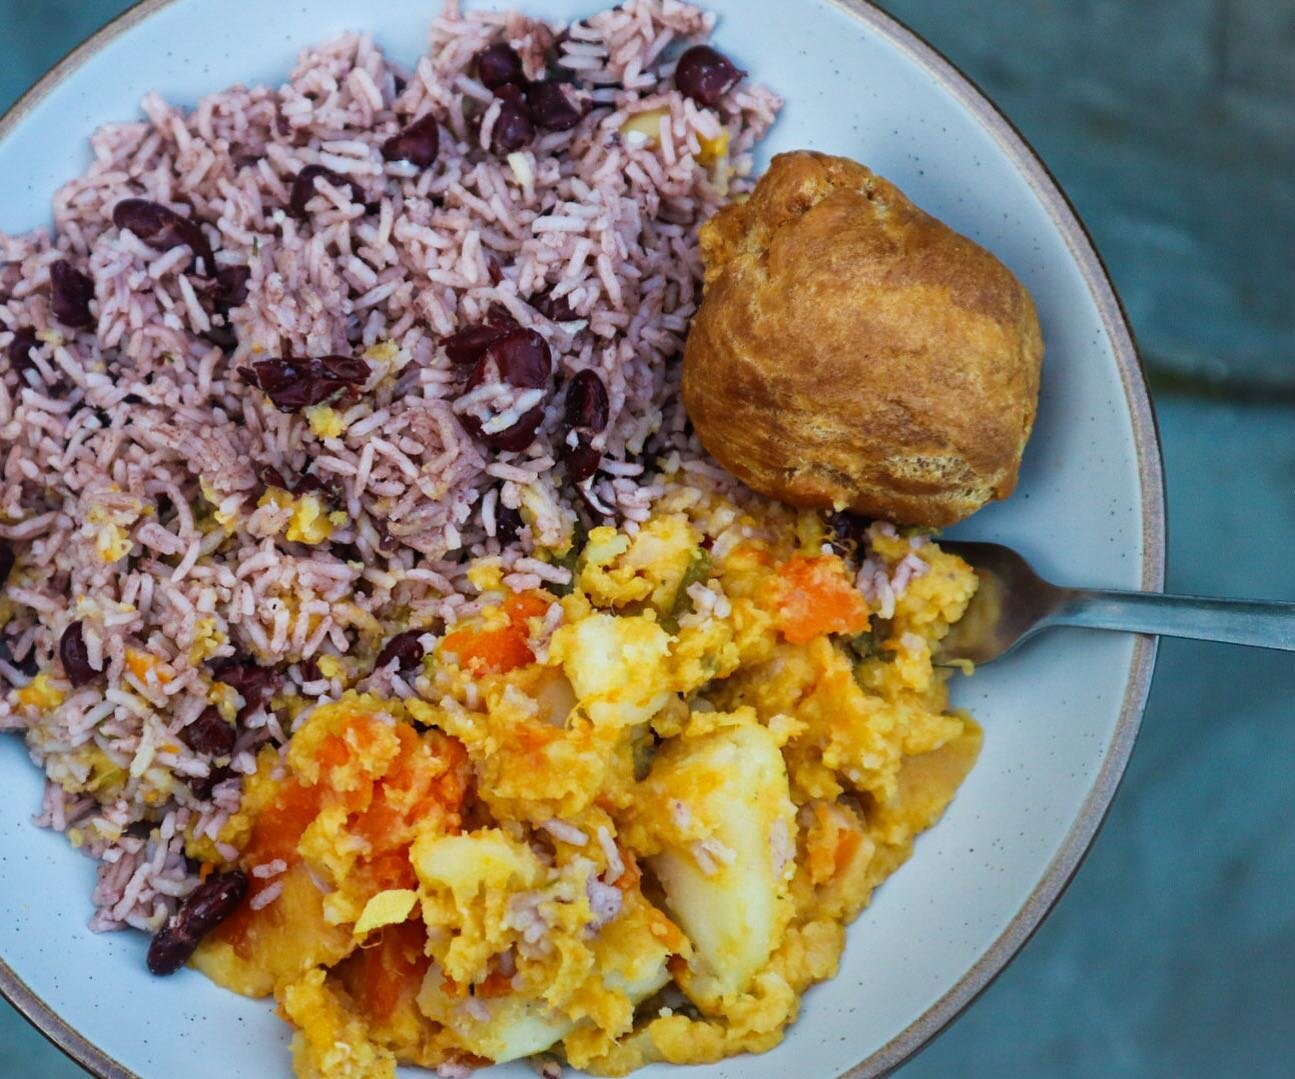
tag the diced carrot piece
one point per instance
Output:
(391, 870)
(816, 597)
(847, 843)
(380, 977)
(503, 648)
(520, 606)
(489, 651)
(141, 663)
(495, 984)
(629, 879)
(333, 752)
(275, 835)
(534, 738)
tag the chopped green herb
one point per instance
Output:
(571, 560)
(865, 645)
(868, 645)
(698, 571)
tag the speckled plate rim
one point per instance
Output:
(1150, 482)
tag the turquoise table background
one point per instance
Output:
(1171, 123)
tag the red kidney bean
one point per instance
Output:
(227, 290)
(272, 477)
(303, 188)
(162, 228)
(514, 93)
(705, 75)
(516, 438)
(405, 648)
(586, 414)
(514, 127)
(223, 337)
(210, 904)
(209, 734)
(417, 144)
(508, 523)
(587, 404)
(579, 455)
(254, 684)
(467, 345)
(550, 107)
(243, 675)
(74, 656)
(202, 786)
(309, 482)
(70, 294)
(523, 360)
(20, 347)
(294, 384)
(231, 286)
(7, 559)
(555, 309)
(848, 531)
(499, 65)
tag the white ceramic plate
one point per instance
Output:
(1060, 716)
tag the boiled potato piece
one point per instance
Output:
(725, 867)
(619, 570)
(466, 883)
(505, 1029)
(631, 952)
(526, 1028)
(510, 1027)
(630, 960)
(468, 864)
(617, 667)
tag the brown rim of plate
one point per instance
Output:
(1150, 480)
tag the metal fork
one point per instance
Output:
(1013, 603)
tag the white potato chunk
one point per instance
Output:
(505, 1028)
(630, 957)
(645, 982)
(726, 860)
(468, 864)
(508, 1028)
(617, 667)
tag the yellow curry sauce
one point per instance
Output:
(629, 829)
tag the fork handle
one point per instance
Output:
(1232, 621)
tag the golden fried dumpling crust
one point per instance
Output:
(853, 352)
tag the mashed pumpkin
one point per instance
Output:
(624, 824)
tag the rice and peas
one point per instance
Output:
(308, 379)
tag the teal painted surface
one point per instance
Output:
(1171, 953)
(1171, 124)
